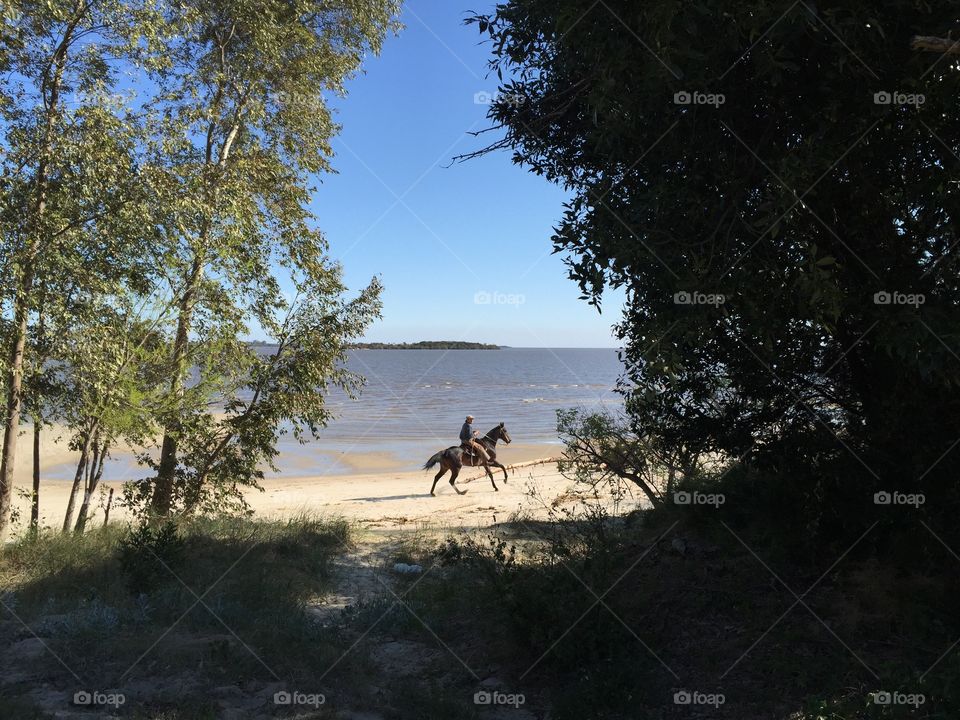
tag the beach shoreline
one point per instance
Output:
(386, 499)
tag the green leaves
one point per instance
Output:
(799, 198)
(154, 221)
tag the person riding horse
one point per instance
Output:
(468, 439)
(453, 459)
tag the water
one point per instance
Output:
(418, 398)
(415, 401)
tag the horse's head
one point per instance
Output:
(504, 435)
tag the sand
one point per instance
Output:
(378, 490)
(375, 500)
(374, 488)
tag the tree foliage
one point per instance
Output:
(156, 164)
(244, 126)
(779, 203)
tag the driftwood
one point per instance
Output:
(926, 43)
(513, 468)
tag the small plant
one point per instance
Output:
(149, 554)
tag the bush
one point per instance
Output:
(150, 554)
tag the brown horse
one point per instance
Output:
(454, 458)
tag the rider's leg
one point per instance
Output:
(481, 451)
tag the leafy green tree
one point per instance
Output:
(602, 447)
(110, 364)
(774, 186)
(227, 446)
(245, 126)
(65, 160)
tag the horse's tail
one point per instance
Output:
(434, 460)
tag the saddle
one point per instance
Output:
(468, 451)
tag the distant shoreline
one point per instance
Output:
(425, 345)
(422, 345)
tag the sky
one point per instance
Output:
(463, 250)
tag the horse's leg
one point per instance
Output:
(501, 466)
(453, 479)
(486, 467)
(443, 469)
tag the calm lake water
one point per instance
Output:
(415, 401)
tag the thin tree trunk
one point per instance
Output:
(35, 497)
(77, 478)
(162, 499)
(11, 427)
(51, 85)
(163, 488)
(106, 510)
(97, 473)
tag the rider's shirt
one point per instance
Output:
(466, 433)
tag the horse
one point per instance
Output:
(454, 458)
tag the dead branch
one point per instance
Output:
(927, 43)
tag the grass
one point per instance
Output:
(702, 615)
(214, 604)
(585, 616)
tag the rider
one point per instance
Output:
(467, 439)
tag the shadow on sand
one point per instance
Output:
(383, 498)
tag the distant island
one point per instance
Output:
(425, 345)
(422, 345)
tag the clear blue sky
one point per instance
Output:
(443, 237)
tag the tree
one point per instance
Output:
(780, 205)
(601, 447)
(63, 163)
(226, 447)
(111, 362)
(245, 127)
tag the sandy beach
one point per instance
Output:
(380, 491)
(376, 495)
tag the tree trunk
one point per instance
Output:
(11, 427)
(106, 510)
(50, 88)
(99, 455)
(77, 478)
(163, 488)
(162, 498)
(35, 497)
